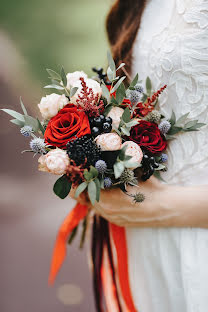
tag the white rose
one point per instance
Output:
(109, 141)
(51, 104)
(116, 113)
(56, 162)
(135, 151)
(72, 78)
(94, 85)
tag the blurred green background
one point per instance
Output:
(50, 33)
(35, 35)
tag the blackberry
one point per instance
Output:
(100, 124)
(149, 165)
(107, 127)
(83, 150)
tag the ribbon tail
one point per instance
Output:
(119, 238)
(71, 221)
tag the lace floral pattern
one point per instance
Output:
(178, 57)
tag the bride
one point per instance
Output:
(167, 234)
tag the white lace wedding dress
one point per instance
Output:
(169, 266)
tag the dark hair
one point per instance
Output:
(122, 25)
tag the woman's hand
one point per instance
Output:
(164, 206)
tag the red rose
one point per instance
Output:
(66, 125)
(147, 135)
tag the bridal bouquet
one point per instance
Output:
(95, 133)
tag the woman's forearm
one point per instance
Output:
(189, 204)
(164, 206)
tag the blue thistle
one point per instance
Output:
(107, 182)
(164, 158)
(134, 96)
(164, 126)
(101, 166)
(26, 131)
(38, 145)
(139, 88)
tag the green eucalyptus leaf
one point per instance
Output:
(114, 101)
(23, 107)
(144, 97)
(117, 130)
(105, 92)
(63, 77)
(92, 192)
(148, 86)
(111, 62)
(132, 123)
(158, 176)
(93, 171)
(120, 66)
(110, 74)
(18, 122)
(200, 124)
(118, 84)
(81, 189)
(88, 175)
(174, 130)
(130, 164)
(73, 91)
(182, 119)
(102, 184)
(54, 86)
(118, 169)
(134, 81)
(14, 114)
(126, 117)
(170, 137)
(190, 124)
(120, 93)
(161, 167)
(125, 131)
(41, 126)
(122, 152)
(98, 188)
(32, 122)
(173, 119)
(62, 187)
(53, 74)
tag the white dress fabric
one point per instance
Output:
(168, 267)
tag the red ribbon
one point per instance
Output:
(119, 238)
(71, 221)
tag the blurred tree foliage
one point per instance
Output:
(50, 33)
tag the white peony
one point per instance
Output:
(94, 85)
(109, 141)
(51, 104)
(72, 78)
(135, 151)
(56, 162)
(116, 113)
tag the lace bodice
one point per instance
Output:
(172, 48)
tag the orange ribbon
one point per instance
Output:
(119, 238)
(71, 221)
